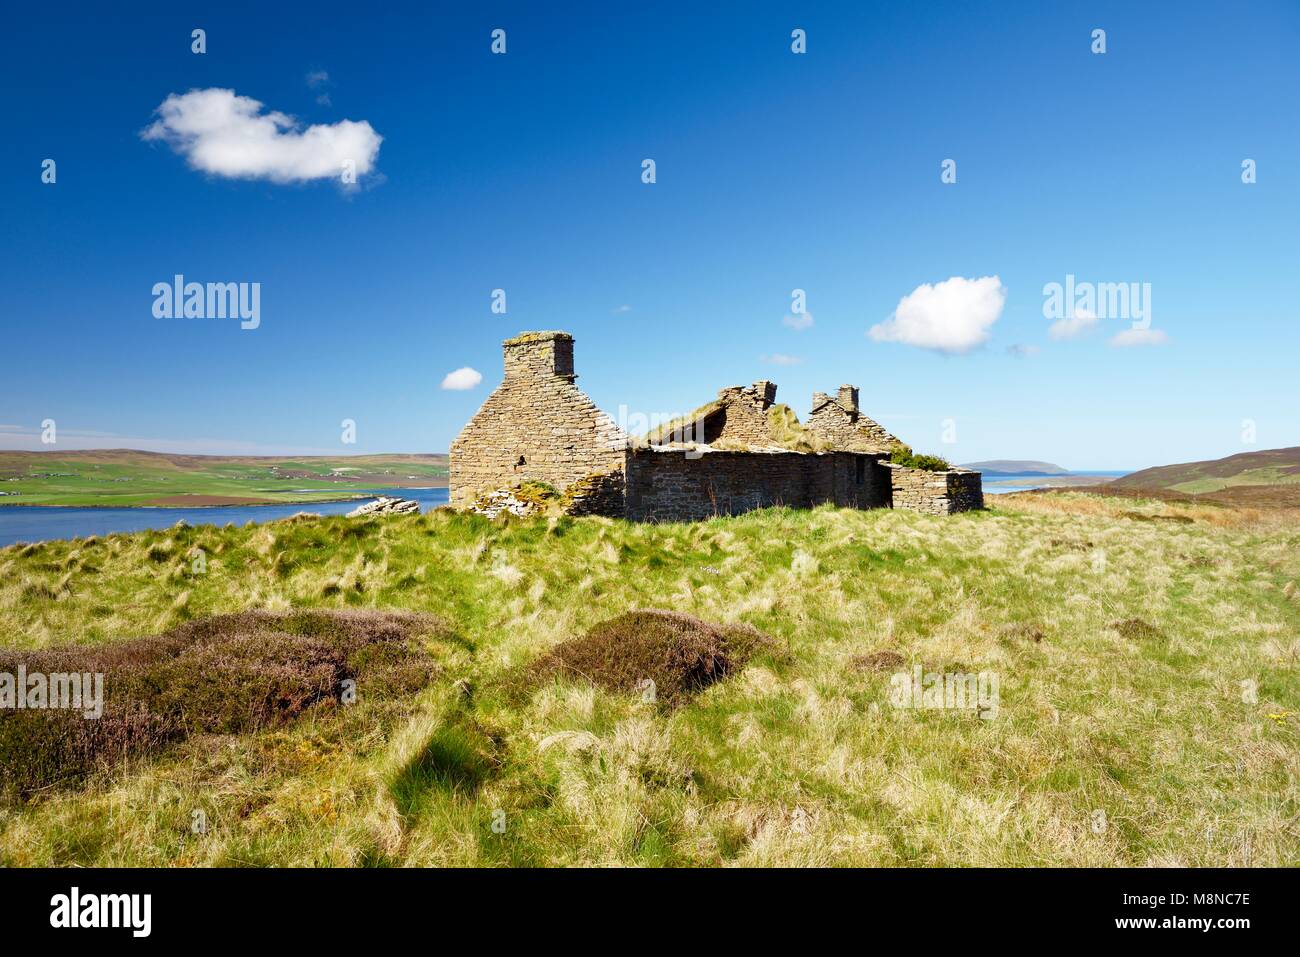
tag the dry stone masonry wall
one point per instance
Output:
(742, 415)
(840, 421)
(675, 485)
(536, 426)
(938, 493)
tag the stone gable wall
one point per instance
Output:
(742, 417)
(937, 493)
(873, 435)
(538, 415)
(831, 421)
(847, 429)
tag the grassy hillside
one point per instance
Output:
(125, 477)
(1122, 632)
(1269, 467)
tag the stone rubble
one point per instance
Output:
(386, 505)
(503, 500)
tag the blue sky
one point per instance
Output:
(774, 171)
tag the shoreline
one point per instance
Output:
(163, 508)
(1052, 481)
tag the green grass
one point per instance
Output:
(797, 758)
(127, 478)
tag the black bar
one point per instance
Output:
(313, 907)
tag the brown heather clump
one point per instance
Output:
(681, 654)
(226, 674)
(1135, 629)
(879, 661)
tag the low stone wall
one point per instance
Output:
(675, 485)
(965, 491)
(601, 494)
(937, 493)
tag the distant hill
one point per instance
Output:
(1016, 467)
(1268, 467)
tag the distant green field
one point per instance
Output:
(129, 478)
(1260, 476)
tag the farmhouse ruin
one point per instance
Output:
(739, 452)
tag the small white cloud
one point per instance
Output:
(622, 309)
(1139, 337)
(780, 359)
(462, 378)
(953, 316)
(799, 321)
(1021, 351)
(222, 133)
(1075, 325)
(317, 79)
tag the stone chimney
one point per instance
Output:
(765, 391)
(848, 398)
(539, 354)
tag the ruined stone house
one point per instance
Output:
(740, 452)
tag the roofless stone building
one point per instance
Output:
(740, 452)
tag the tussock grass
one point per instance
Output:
(788, 432)
(794, 759)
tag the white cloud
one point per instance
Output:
(317, 79)
(1021, 351)
(225, 134)
(953, 316)
(622, 309)
(799, 321)
(463, 378)
(1139, 337)
(1075, 325)
(780, 359)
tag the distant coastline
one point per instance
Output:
(198, 502)
(131, 479)
(996, 483)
